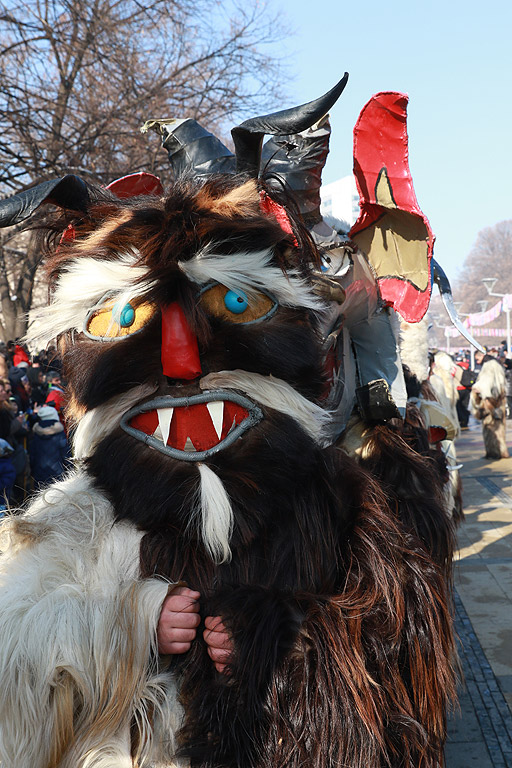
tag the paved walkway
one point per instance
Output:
(480, 734)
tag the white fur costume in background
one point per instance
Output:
(414, 352)
(488, 403)
(78, 659)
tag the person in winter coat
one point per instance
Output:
(20, 356)
(15, 429)
(56, 396)
(21, 389)
(49, 448)
(39, 389)
(7, 470)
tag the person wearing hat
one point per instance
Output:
(49, 448)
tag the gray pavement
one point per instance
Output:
(480, 732)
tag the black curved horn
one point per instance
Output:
(248, 136)
(69, 192)
(192, 150)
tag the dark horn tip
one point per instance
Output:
(248, 136)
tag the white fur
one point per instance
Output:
(491, 381)
(78, 621)
(414, 347)
(276, 394)
(101, 421)
(81, 287)
(251, 272)
(216, 515)
(340, 225)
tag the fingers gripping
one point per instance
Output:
(178, 622)
(177, 628)
(219, 642)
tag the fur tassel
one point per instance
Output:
(216, 515)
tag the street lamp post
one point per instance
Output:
(489, 283)
(457, 306)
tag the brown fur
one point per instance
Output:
(239, 202)
(491, 411)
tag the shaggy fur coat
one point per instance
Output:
(489, 405)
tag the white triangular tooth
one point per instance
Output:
(164, 422)
(216, 411)
(158, 433)
(189, 445)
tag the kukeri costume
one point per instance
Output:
(216, 339)
(488, 403)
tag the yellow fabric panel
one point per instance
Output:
(397, 246)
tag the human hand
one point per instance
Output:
(219, 642)
(178, 621)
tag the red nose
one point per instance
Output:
(180, 353)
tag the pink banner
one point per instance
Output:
(477, 319)
(452, 332)
(482, 318)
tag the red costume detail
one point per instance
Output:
(271, 208)
(136, 184)
(194, 422)
(20, 356)
(381, 150)
(180, 352)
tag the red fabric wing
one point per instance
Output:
(391, 228)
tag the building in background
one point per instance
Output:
(341, 199)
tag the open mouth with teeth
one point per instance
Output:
(192, 428)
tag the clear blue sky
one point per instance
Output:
(454, 60)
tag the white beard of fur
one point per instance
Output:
(251, 271)
(277, 394)
(102, 420)
(215, 515)
(81, 288)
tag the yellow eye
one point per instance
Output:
(113, 321)
(236, 306)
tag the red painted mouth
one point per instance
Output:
(196, 427)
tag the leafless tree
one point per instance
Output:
(79, 77)
(490, 256)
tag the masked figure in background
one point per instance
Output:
(200, 342)
(489, 405)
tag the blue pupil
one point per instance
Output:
(236, 302)
(126, 316)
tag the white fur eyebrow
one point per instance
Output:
(251, 271)
(81, 286)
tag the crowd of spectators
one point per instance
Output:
(34, 448)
